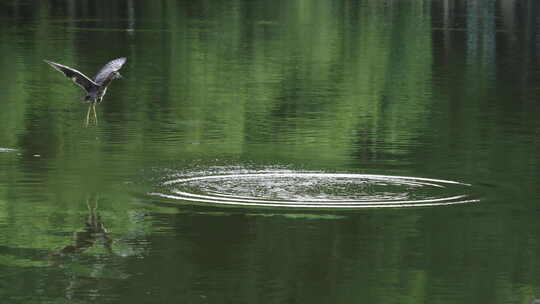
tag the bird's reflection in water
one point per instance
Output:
(94, 231)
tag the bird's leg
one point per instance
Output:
(95, 115)
(88, 115)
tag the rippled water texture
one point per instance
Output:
(7, 150)
(271, 151)
(316, 190)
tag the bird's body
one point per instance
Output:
(97, 87)
(95, 95)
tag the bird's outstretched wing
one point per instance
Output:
(106, 70)
(78, 78)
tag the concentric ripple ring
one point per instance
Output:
(316, 190)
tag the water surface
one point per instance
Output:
(287, 102)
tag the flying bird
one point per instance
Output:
(95, 88)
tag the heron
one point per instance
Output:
(95, 88)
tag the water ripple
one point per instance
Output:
(315, 190)
(7, 150)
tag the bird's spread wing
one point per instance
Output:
(112, 66)
(78, 78)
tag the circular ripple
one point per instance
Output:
(7, 150)
(316, 190)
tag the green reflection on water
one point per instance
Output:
(355, 86)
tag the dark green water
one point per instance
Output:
(271, 101)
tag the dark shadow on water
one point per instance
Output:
(210, 210)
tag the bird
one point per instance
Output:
(95, 88)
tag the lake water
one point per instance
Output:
(272, 152)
